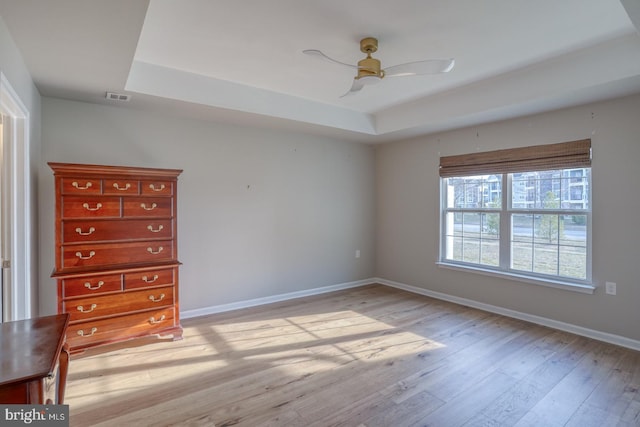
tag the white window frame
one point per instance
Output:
(504, 269)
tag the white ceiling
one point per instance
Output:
(242, 61)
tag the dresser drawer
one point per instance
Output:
(94, 285)
(148, 207)
(109, 305)
(101, 230)
(143, 279)
(90, 207)
(156, 188)
(106, 254)
(121, 186)
(121, 327)
(81, 186)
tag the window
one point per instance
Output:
(525, 212)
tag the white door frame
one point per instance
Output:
(16, 205)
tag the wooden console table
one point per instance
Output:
(30, 352)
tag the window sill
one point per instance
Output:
(557, 284)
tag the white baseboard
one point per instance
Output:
(567, 327)
(271, 299)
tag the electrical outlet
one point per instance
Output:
(358, 253)
(610, 288)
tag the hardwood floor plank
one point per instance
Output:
(544, 344)
(632, 414)
(465, 406)
(612, 397)
(563, 400)
(545, 363)
(408, 412)
(370, 356)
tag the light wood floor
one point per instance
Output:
(371, 356)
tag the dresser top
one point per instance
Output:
(105, 170)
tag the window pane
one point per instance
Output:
(548, 228)
(453, 224)
(550, 244)
(491, 225)
(522, 228)
(471, 224)
(453, 232)
(575, 189)
(545, 259)
(573, 247)
(490, 252)
(522, 256)
(574, 230)
(573, 262)
(471, 251)
(472, 237)
(522, 242)
(473, 192)
(493, 191)
(555, 189)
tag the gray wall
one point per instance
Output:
(15, 71)
(260, 212)
(408, 214)
(13, 67)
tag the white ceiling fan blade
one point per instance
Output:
(430, 66)
(316, 52)
(355, 87)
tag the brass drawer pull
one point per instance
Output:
(79, 187)
(82, 310)
(93, 331)
(87, 207)
(153, 320)
(159, 229)
(154, 299)
(91, 254)
(93, 288)
(80, 232)
(147, 280)
(150, 208)
(125, 188)
(153, 187)
(151, 251)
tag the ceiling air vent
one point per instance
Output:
(118, 96)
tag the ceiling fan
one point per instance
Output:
(370, 71)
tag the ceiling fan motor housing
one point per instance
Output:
(369, 66)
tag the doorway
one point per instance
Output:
(3, 297)
(16, 218)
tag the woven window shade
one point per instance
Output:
(574, 154)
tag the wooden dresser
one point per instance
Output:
(116, 252)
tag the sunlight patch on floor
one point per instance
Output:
(277, 352)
